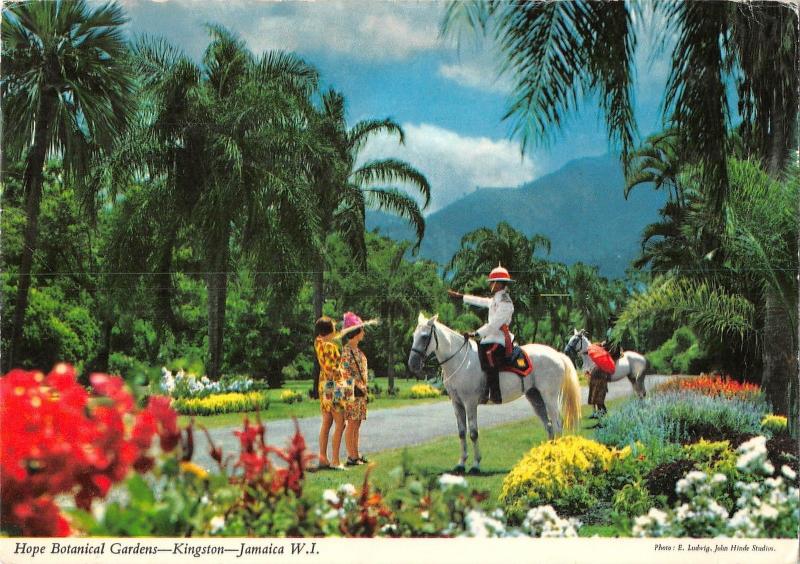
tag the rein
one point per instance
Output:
(434, 335)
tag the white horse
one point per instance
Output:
(552, 386)
(630, 364)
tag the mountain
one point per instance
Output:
(580, 208)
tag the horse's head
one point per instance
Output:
(423, 344)
(578, 343)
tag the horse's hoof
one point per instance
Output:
(474, 471)
(459, 469)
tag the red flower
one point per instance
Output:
(57, 439)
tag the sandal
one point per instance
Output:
(321, 466)
(337, 467)
(353, 461)
(362, 460)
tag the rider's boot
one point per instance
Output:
(494, 387)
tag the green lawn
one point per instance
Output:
(308, 407)
(501, 448)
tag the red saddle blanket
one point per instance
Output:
(519, 362)
(602, 358)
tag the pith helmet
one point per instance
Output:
(499, 274)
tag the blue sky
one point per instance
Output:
(388, 60)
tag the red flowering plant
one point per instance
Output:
(264, 492)
(58, 439)
(716, 385)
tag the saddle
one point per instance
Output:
(602, 359)
(518, 362)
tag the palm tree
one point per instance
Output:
(657, 162)
(66, 89)
(233, 145)
(559, 50)
(482, 249)
(345, 189)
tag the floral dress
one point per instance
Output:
(335, 389)
(354, 362)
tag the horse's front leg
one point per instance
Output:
(461, 420)
(472, 413)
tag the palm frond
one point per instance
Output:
(361, 132)
(400, 204)
(710, 310)
(389, 171)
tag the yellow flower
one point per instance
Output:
(548, 470)
(774, 423)
(419, 391)
(194, 469)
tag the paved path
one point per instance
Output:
(398, 427)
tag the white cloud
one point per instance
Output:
(363, 30)
(476, 74)
(455, 165)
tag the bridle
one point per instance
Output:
(435, 336)
(576, 349)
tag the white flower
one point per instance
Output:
(330, 496)
(788, 472)
(718, 478)
(333, 514)
(681, 485)
(658, 516)
(425, 514)
(217, 523)
(481, 525)
(347, 489)
(768, 468)
(767, 512)
(451, 480)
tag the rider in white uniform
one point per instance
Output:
(496, 339)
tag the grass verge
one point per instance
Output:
(501, 448)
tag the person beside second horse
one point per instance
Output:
(496, 339)
(354, 362)
(605, 356)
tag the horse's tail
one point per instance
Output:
(570, 395)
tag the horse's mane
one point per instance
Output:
(443, 326)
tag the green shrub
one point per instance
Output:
(633, 499)
(133, 371)
(680, 354)
(56, 330)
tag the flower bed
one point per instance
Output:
(222, 403)
(682, 417)
(568, 473)
(421, 391)
(186, 385)
(716, 385)
(768, 504)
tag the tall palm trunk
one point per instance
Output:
(780, 348)
(217, 295)
(163, 296)
(779, 354)
(33, 183)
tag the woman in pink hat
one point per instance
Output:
(354, 362)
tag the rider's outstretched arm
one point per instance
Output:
(477, 300)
